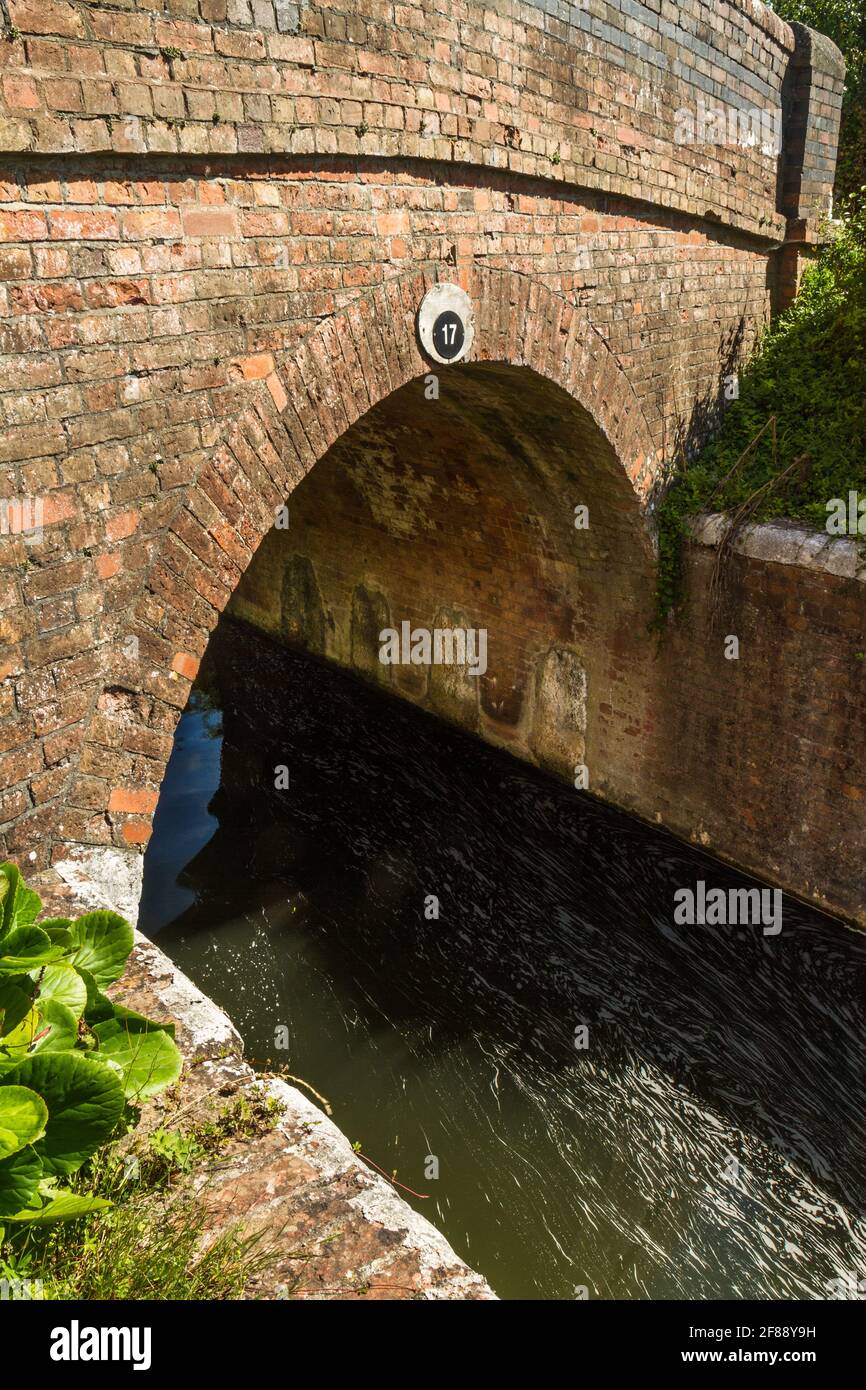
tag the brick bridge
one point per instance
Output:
(218, 220)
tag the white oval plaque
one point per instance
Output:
(446, 323)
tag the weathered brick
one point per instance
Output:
(74, 225)
(46, 17)
(124, 799)
(120, 526)
(136, 832)
(20, 764)
(185, 665)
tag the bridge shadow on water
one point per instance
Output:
(706, 1143)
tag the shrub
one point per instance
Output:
(809, 376)
(151, 1242)
(153, 1239)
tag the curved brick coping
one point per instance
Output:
(766, 19)
(788, 543)
(301, 1185)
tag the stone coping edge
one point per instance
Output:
(788, 543)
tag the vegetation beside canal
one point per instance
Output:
(150, 1240)
(795, 437)
(88, 1207)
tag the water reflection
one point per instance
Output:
(707, 1143)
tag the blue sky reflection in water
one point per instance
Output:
(709, 1141)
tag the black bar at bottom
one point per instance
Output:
(650, 1337)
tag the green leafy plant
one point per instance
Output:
(71, 1060)
(796, 436)
(151, 1239)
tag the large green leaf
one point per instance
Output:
(58, 929)
(27, 948)
(59, 1206)
(20, 906)
(101, 1009)
(101, 942)
(129, 1015)
(57, 1030)
(16, 1043)
(23, 1118)
(146, 1054)
(84, 1100)
(50, 1027)
(94, 997)
(19, 1179)
(16, 998)
(62, 982)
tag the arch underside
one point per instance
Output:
(484, 499)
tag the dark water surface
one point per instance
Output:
(708, 1143)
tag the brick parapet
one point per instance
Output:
(586, 95)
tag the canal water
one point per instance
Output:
(706, 1142)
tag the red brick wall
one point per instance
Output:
(216, 222)
(142, 315)
(761, 758)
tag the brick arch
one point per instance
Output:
(353, 360)
(297, 409)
